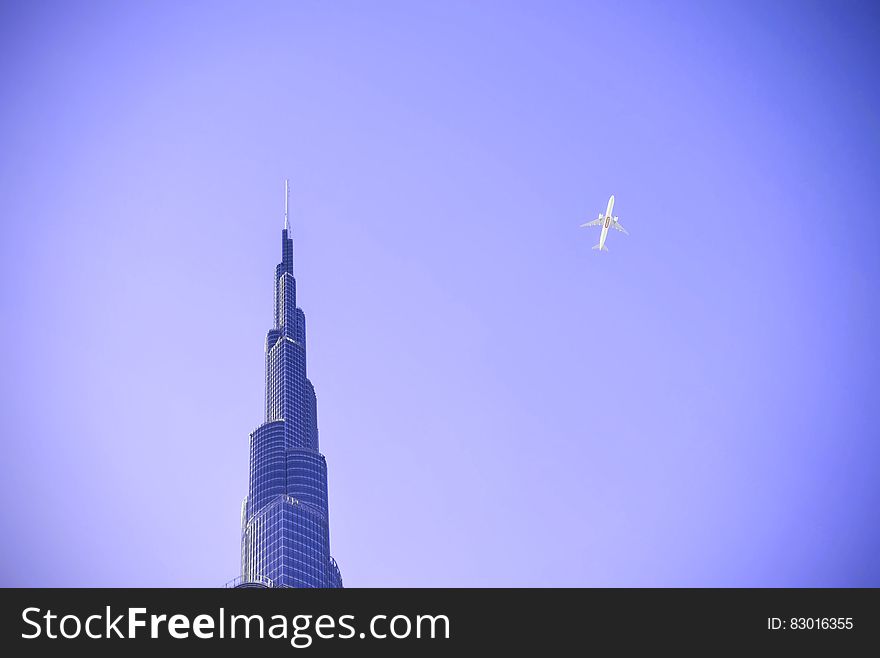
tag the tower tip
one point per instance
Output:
(286, 203)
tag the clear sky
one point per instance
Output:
(498, 404)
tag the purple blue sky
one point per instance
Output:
(499, 405)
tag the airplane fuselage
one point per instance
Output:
(609, 218)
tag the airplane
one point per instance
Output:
(608, 221)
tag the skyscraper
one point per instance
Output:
(285, 534)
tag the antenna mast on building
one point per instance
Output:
(286, 203)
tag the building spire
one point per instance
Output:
(286, 203)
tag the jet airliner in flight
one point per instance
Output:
(607, 221)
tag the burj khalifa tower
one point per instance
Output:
(285, 533)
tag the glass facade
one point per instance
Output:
(285, 535)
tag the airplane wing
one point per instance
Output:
(617, 225)
(595, 222)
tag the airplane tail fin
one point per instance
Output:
(603, 248)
